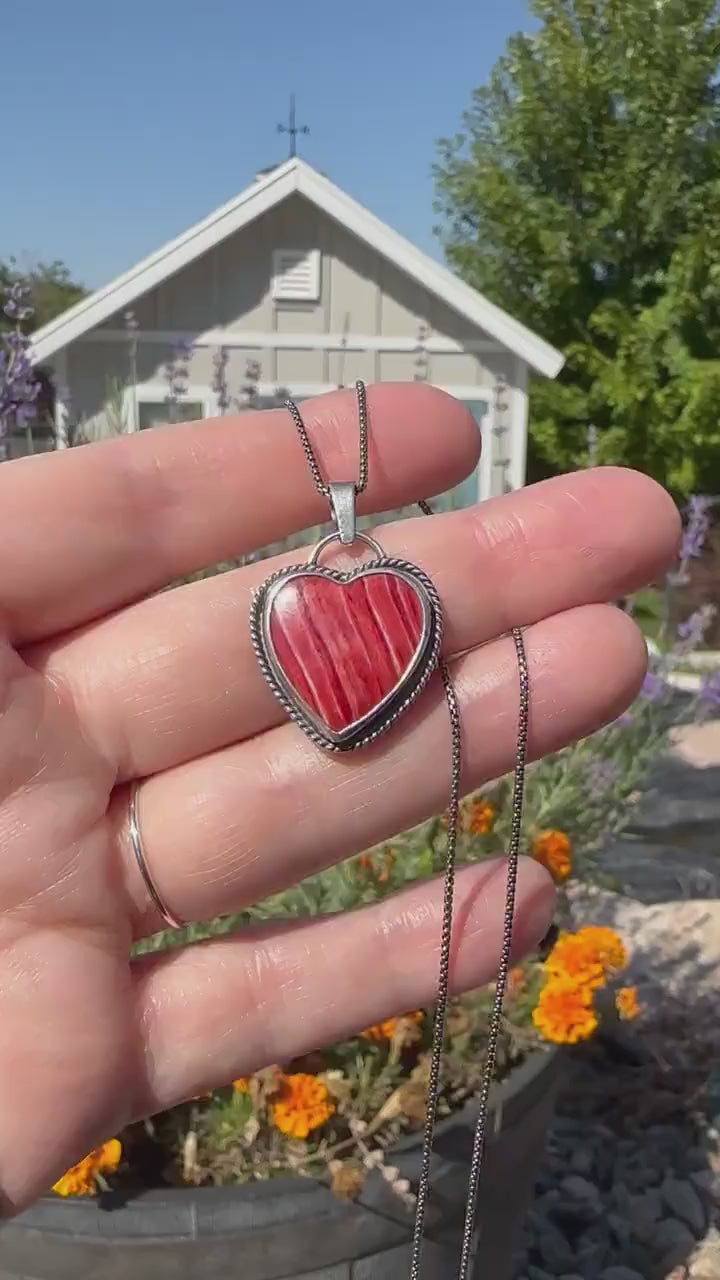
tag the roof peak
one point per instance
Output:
(261, 195)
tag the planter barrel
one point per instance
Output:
(293, 1228)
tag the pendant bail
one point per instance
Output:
(342, 500)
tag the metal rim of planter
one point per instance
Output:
(53, 1214)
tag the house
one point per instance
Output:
(296, 278)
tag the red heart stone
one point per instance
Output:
(345, 646)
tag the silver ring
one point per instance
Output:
(335, 537)
(137, 844)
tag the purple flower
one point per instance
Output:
(709, 692)
(623, 720)
(653, 687)
(177, 373)
(19, 385)
(15, 303)
(601, 776)
(691, 632)
(696, 528)
(248, 398)
(219, 382)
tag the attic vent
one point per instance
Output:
(296, 275)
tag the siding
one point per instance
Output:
(361, 296)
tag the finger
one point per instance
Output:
(237, 825)
(219, 1010)
(175, 676)
(86, 530)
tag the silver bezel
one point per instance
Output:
(376, 722)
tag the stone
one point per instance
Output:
(695, 1158)
(620, 1228)
(706, 1182)
(554, 1249)
(590, 1258)
(582, 1160)
(641, 1176)
(579, 1188)
(675, 943)
(683, 1200)
(620, 1273)
(673, 1242)
(341, 648)
(643, 1212)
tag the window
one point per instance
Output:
(146, 405)
(36, 437)
(296, 275)
(153, 413)
(469, 491)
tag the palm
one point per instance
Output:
(69, 1054)
(103, 682)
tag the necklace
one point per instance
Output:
(346, 653)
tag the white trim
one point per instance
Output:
(486, 457)
(157, 393)
(157, 390)
(297, 341)
(61, 417)
(296, 177)
(519, 425)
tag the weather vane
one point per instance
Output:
(292, 129)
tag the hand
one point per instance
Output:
(102, 682)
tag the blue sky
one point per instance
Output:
(127, 120)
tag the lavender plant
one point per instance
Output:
(220, 379)
(248, 397)
(19, 385)
(422, 359)
(695, 533)
(587, 789)
(177, 377)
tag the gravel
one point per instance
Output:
(630, 1185)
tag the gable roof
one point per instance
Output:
(295, 177)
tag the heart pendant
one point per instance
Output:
(346, 653)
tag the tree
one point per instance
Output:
(50, 289)
(583, 195)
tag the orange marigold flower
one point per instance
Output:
(301, 1104)
(515, 980)
(387, 860)
(386, 1030)
(376, 866)
(552, 849)
(81, 1180)
(575, 958)
(608, 946)
(564, 1012)
(479, 817)
(627, 1003)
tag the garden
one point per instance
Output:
(348, 1117)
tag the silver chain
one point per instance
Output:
(469, 1241)
(320, 484)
